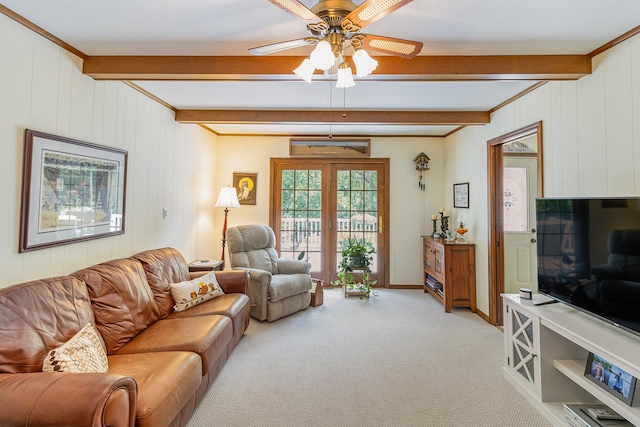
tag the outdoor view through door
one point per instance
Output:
(318, 203)
(301, 215)
(357, 210)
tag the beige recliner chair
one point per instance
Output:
(279, 286)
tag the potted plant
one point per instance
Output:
(356, 253)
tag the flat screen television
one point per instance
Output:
(589, 256)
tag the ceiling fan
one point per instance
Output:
(335, 27)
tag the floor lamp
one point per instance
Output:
(227, 199)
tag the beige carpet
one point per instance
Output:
(392, 360)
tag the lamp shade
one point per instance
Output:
(364, 63)
(305, 71)
(345, 78)
(228, 198)
(322, 57)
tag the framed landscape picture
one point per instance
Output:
(246, 187)
(461, 195)
(71, 191)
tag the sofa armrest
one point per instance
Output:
(67, 399)
(293, 266)
(233, 281)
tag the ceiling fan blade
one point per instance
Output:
(372, 10)
(397, 47)
(297, 9)
(280, 46)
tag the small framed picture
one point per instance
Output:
(246, 187)
(461, 195)
(616, 381)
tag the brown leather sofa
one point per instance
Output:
(161, 362)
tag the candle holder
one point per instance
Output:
(435, 226)
(444, 223)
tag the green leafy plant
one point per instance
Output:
(356, 253)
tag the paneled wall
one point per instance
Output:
(44, 89)
(591, 140)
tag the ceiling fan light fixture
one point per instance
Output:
(365, 64)
(345, 78)
(305, 70)
(322, 56)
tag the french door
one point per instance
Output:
(317, 203)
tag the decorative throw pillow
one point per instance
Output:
(82, 353)
(193, 292)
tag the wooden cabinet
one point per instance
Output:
(452, 267)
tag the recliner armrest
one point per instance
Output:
(604, 271)
(259, 291)
(620, 290)
(293, 266)
(67, 399)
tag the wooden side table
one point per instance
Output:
(206, 265)
(359, 274)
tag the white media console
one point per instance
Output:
(545, 354)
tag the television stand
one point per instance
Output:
(546, 351)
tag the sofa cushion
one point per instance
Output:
(285, 285)
(123, 303)
(190, 293)
(38, 316)
(234, 306)
(84, 352)
(167, 381)
(163, 266)
(207, 336)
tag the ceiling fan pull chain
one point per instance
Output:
(344, 102)
(330, 105)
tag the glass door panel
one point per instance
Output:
(301, 215)
(357, 210)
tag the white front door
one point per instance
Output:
(520, 248)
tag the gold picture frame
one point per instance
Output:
(246, 185)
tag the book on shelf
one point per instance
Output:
(433, 283)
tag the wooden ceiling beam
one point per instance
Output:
(423, 68)
(325, 116)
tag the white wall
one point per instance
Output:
(411, 208)
(591, 141)
(466, 154)
(44, 89)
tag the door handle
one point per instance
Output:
(533, 240)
